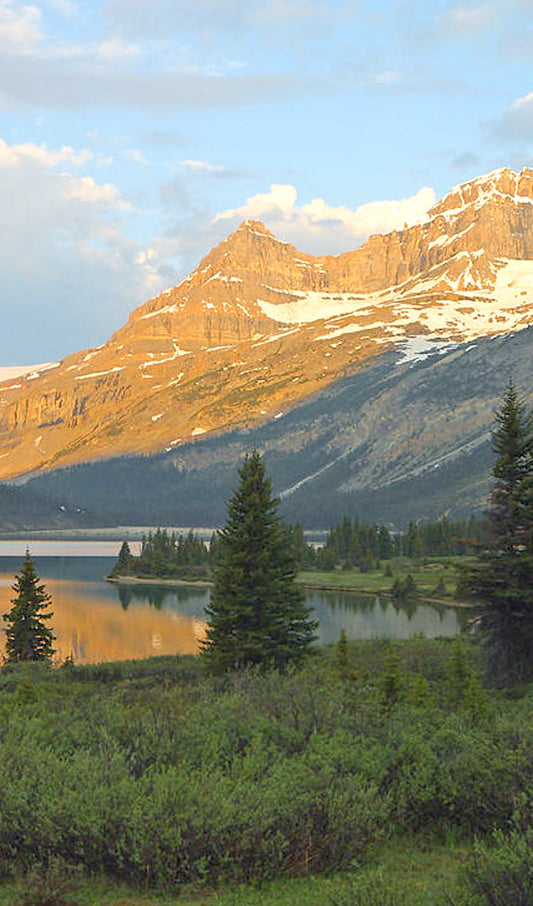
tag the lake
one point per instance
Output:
(95, 620)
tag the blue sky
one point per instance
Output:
(135, 134)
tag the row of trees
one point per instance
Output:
(352, 544)
(166, 555)
(357, 544)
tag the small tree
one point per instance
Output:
(257, 614)
(125, 561)
(502, 579)
(28, 638)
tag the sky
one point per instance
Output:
(136, 134)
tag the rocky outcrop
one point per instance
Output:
(259, 326)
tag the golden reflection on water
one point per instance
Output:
(93, 629)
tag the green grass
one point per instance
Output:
(419, 872)
(427, 575)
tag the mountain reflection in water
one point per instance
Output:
(98, 621)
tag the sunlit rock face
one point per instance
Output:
(259, 326)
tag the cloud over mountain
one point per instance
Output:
(318, 226)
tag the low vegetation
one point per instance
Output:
(157, 775)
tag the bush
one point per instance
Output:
(500, 872)
(161, 780)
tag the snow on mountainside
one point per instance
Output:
(259, 326)
(9, 372)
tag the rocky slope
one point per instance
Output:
(406, 437)
(259, 326)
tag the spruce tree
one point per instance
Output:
(28, 638)
(257, 614)
(502, 579)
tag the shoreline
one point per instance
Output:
(205, 583)
(135, 580)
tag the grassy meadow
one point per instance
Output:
(435, 577)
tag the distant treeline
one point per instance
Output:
(167, 555)
(352, 544)
(359, 545)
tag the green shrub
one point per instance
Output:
(500, 872)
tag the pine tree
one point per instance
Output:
(124, 562)
(28, 638)
(502, 580)
(257, 613)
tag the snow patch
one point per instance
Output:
(177, 352)
(12, 371)
(94, 374)
(417, 349)
(313, 306)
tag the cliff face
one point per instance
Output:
(406, 437)
(259, 326)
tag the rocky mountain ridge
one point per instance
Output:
(260, 326)
(405, 437)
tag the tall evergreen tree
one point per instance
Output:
(28, 638)
(257, 613)
(502, 579)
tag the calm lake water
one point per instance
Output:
(95, 620)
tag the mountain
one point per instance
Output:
(259, 327)
(405, 437)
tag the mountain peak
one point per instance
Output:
(256, 227)
(499, 185)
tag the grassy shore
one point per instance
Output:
(435, 578)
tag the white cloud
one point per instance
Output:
(69, 268)
(200, 166)
(87, 189)
(320, 227)
(115, 49)
(13, 155)
(136, 156)
(20, 28)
